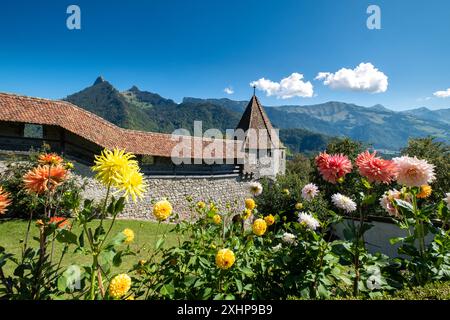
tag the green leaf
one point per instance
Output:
(167, 290)
(62, 283)
(247, 271)
(118, 239)
(117, 260)
(66, 236)
(239, 285)
(395, 240)
(159, 243)
(405, 204)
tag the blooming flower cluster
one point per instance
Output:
(413, 172)
(376, 169)
(5, 201)
(387, 202)
(120, 170)
(343, 202)
(288, 238)
(119, 286)
(309, 191)
(250, 204)
(270, 219)
(256, 188)
(333, 167)
(425, 191)
(225, 259)
(44, 178)
(51, 159)
(447, 200)
(129, 235)
(308, 220)
(217, 219)
(259, 227)
(61, 222)
(162, 210)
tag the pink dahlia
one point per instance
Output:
(333, 167)
(387, 202)
(376, 169)
(413, 172)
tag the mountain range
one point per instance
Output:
(302, 128)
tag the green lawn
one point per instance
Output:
(11, 232)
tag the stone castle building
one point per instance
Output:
(220, 168)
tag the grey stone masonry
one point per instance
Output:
(222, 190)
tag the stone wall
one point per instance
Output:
(222, 190)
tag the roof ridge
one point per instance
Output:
(93, 115)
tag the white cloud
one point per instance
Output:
(365, 77)
(289, 87)
(228, 90)
(442, 93)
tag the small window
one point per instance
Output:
(33, 131)
(147, 160)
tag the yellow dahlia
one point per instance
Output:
(112, 165)
(270, 219)
(213, 208)
(250, 204)
(259, 227)
(425, 192)
(217, 219)
(119, 286)
(129, 234)
(69, 165)
(225, 259)
(247, 214)
(131, 184)
(50, 159)
(299, 206)
(201, 205)
(5, 201)
(162, 210)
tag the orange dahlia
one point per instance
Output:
(43, 178)
(50, 159)
(60, 222)
(4, 201)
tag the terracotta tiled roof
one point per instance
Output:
(256, 119)
(91, 127)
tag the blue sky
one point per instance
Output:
(198, 48)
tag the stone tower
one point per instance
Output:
(265, 155)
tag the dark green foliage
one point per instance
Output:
(431, 291)
(301, 140)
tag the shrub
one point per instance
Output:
(24, 203)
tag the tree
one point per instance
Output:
(346, 146)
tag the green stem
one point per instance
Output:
(103, 212)
(25, 244)
(93, 271)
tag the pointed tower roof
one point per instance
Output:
(255, 118)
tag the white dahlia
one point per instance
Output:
(309, 191)
(255, 188)
(288, 238)
(308, 220)
(414, 172)
(343, 202)
(447, 200)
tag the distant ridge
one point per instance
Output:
(377, 125)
